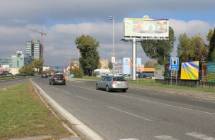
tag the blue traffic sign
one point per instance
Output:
(174, 64)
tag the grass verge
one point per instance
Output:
(6, 77)
(155, 85)
(23, 114)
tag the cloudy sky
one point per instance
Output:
(64, 20)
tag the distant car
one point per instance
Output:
(111, 83)
(44, 75)
(57, 79)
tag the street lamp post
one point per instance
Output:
(113, 51)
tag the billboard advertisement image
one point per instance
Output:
(211, 72)
(190, 70)
(146, 28)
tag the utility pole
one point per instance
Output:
(113, 59)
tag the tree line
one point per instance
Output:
(35, 66)
(194, 48)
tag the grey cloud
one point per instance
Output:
(45, 11)
(60, 47)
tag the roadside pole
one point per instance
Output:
(171, 77)
(134, 59)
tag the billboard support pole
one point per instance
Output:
(134, 59)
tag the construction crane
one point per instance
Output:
(42, 34)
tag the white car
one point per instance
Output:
(110, 83)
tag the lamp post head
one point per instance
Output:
(110, 17)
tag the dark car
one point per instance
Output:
(44, 75)
(57, 79)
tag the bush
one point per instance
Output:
(77, 72)
(27, 70)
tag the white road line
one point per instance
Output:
(128, 113)
(151, 101)
(200, 136)
(130, 139)
(83, 98)
(178, 107)
(165, 137)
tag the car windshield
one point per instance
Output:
(119, 79)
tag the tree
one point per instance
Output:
(78, 73)
(151, 64)
(27, 70)
(159, 49)
(38, 65)
(192, 48)
(89, 60)
(211, 52)
(110, 65)
(210, 34)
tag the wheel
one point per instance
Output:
(107, 89)
(124, 90)
(97, 88)
(50, 83)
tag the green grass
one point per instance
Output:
(156, 85)
(23, 114)
(6, 77)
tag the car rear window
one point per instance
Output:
(119, 79)
(59, 76)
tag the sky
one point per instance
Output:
(65, 20)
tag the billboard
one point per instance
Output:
(190, 70)
(211, 72)
(146, 28)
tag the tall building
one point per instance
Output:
(17, 60)
(29, 49)
(34, 49)
(38, 50)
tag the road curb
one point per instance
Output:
(84, 131)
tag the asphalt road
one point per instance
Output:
(6, 83)
(137, 114)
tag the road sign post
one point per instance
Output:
(174, 67)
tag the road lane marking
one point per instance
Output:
(128, 113)
(178, 107)
(150, 101)
(165, 137)
(200, 136)
(83, 98)
(129, 139)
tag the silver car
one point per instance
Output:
(110, 83)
